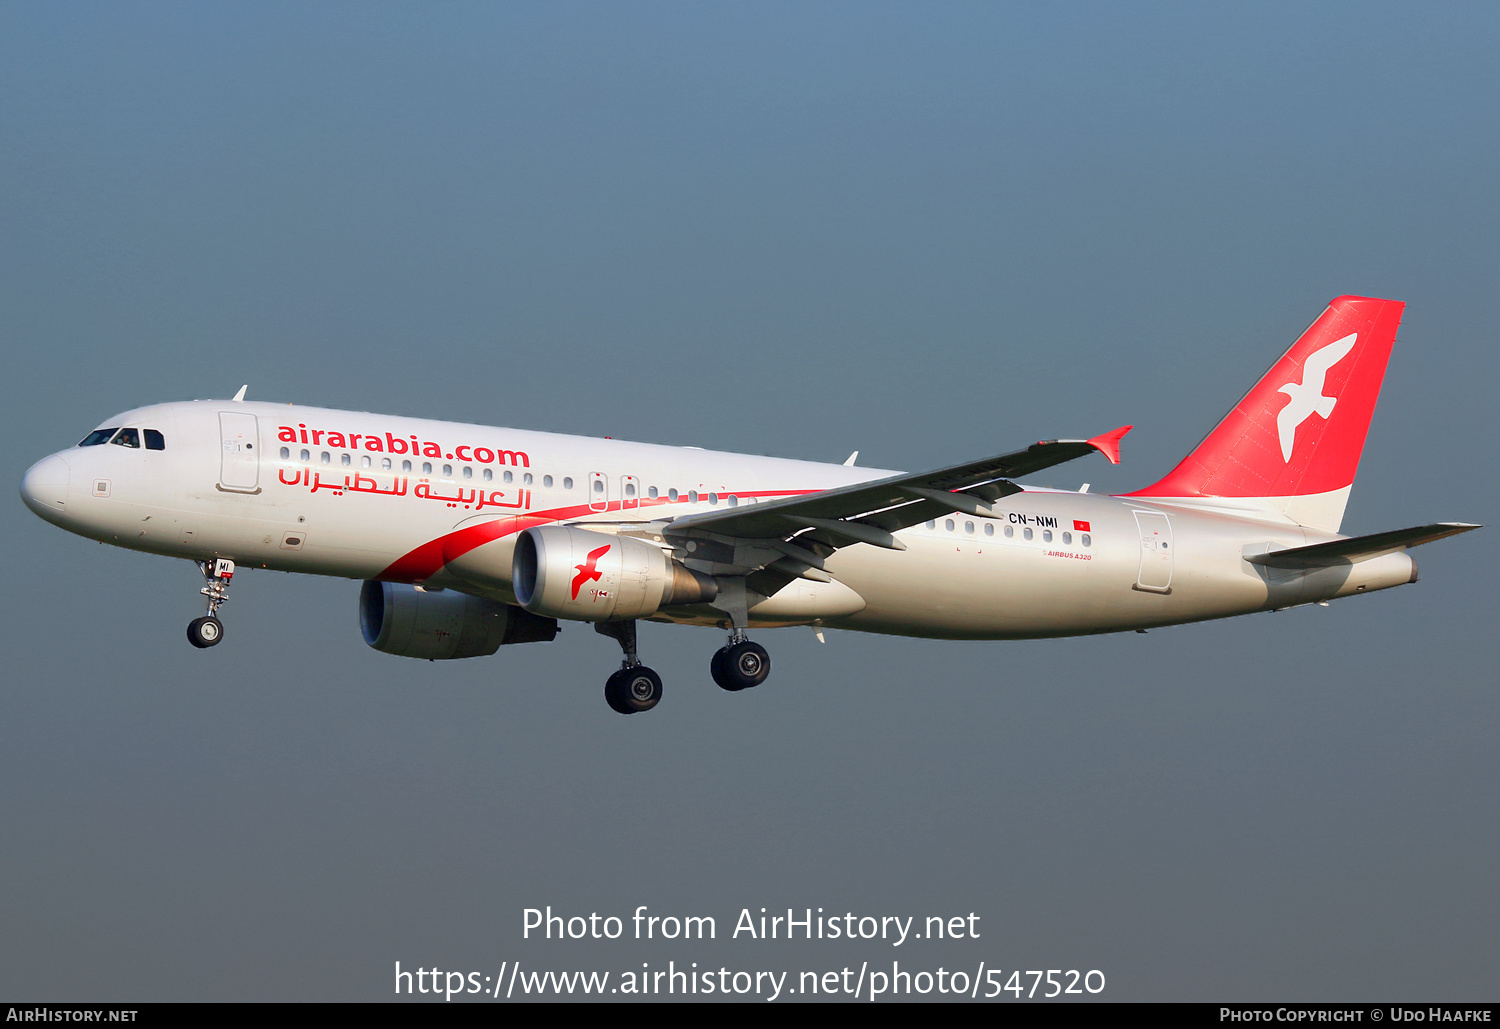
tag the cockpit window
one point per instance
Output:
(128, 438)
(154, 440)
(98, 436)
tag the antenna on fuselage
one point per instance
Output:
(241, 394)
(850, 462)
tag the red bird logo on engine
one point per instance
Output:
(587, 572)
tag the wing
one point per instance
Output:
(794, 535)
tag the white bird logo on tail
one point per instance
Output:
(1308, 397)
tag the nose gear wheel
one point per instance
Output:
(205, 632)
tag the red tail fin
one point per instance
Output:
(1300, 431)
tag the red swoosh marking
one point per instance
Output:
(427, 560)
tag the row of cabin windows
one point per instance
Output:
(131, 438)
(693, 496)
(527, 479)
(1010, 531)
(487, 474)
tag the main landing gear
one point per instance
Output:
(634, 687)
(740, 664)
(205, 632)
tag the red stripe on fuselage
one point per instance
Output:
(428, 559)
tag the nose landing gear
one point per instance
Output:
(740, 664)
(634, 687)
(206, 631)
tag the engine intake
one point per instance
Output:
(574, 573)
(440, 624)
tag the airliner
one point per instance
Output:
(471, 537)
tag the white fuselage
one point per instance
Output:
(368, 496)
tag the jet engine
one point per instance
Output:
(574, 573)
(410, 621)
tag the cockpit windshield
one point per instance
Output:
(126, 438)
(98, 436)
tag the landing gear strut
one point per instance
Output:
(634, 687)
(740, 664)
(207, 631)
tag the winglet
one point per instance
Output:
(1109, 443)
(241, 394)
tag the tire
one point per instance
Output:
(718, 670)
(614, 695)
(205, 632)
(632, 690)
(741, 666)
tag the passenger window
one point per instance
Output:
(734, 501)
(630, 489)
(989, 529)
(598, 485)
(326, 457)
(1026, 533)
(932, 524)
(692, 496)
(1010, 530)
(1086, 540)
(426, 467)
(672, 493)
(508, 476)
(447, 471)
(1046, 535)
(488, 475)
(98, 436)
(385, 464)
(547, 481)
(468, 472)
(968, 526)
(1068, 537)
(652, 492)
(364, 462)
(406, 466)
(128, 438)
(155, 440)
(713, 498)
(526, 479)
(286, 453)
(306, 456)
(345, 460)
(948, 524)
(567, 482)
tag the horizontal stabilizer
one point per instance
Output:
(1358, 548)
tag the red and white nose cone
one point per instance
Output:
(45, 487)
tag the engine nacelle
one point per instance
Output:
(574, 573)
(439, 624)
